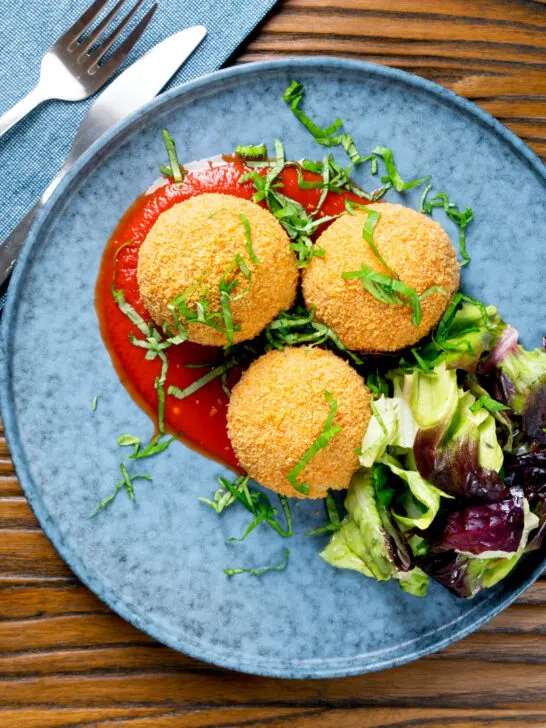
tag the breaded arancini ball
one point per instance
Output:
(413, 245)
(278, 409)
(195, 242)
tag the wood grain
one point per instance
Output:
(66, 660)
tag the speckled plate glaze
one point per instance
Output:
(158, 562)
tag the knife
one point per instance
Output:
(137, 85)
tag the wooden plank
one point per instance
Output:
(485, 10)
(24, 601)
(375, 24)
(268, 717)
(9, 486)
(476, 684)
(16, 513)
(6, 466)
(64, 631)
(29, 553)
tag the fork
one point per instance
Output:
(69, 71)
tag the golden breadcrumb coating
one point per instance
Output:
(186, 246)
(278, 409)
(413, 245)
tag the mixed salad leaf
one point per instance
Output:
(452, 484)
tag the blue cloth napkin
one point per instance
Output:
(32, 152)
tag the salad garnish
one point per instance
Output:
(255, 501)
(174, 171)
(328, 431)
(261, 569)
(252, 153)
(461, 219)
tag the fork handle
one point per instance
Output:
(21, 109)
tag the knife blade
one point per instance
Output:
(137, 85)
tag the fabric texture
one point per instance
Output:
(32, 152)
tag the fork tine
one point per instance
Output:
(101, 27)
(125, 47)
(80, 26)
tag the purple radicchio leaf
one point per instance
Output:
(452, 570)
(488, 527)
(534, 415)
(528, 471)
(508, 342)
(455, 469)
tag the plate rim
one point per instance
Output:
(222, 657)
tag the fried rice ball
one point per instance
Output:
(413, 245)
(195, 242)
(278, 410)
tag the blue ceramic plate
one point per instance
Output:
(158, 562)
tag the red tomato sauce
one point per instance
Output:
(199, 419)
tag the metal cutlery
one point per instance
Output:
(137, 85)
(71, 69)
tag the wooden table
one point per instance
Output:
(67, 660)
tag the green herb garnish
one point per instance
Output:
(94, 403)
(388, 290)
(176, 172)
(372, 218)
(127, 483)
(293, 216)
(328, 431)
(262, 569)
(154, 345)
(253, 153)
(201, 382)
(300, 327)
(333, 516)
(393, 176)
(461, 219)
(488, 403)
(248, 232)
(155, 446)
(255, 501)
(377, 415)
(377, 384)
(450, 337)
(326, 137)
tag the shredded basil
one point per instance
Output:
(177, 172)
(257, 153)
(300, 327)
(201, 382)
(377, 384)
(260, 570)
(326, 137)
(248, 232)
(488, 403)
(328, 431)
(293, 216)
(377, 415)
(461, 219)
(444, 339)
(333, 516)
(388, 290)
(255, 502)
(393, 176)
(372, 218)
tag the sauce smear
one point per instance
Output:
(200, 419)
